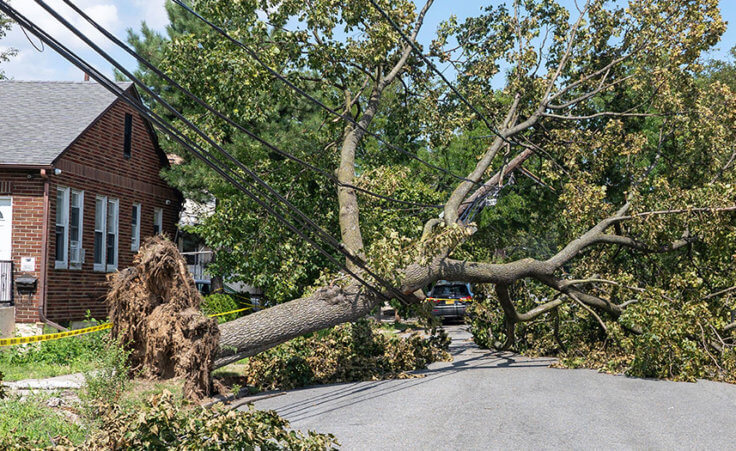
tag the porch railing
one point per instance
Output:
(6, 283)
(197, 263)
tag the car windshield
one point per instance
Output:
(450, 291)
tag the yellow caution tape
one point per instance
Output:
(56, 336)
(231, 311)
(74, 333)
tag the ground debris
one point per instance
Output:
(155, 310)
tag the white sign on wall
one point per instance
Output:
(28, 264)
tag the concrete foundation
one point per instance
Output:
(7, 322)
(28, 329)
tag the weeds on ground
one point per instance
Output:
(117, 413)
(52, 358)
(109, 379)
(28, 422)
(163, 424)
(3, 392)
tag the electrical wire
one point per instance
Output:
(431, 65)
(311, 98)
(203, 155)
(230, 121)
(33, 44)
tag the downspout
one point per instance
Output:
(45, 254)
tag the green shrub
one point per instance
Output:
(346, 353)
(677, 338)
(220, 303)
(161, 423)
(165, 424)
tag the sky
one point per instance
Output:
(120, 15)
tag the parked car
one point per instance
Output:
(450, 299)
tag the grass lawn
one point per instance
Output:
(32, 418)
(20, 371)
(52, 358)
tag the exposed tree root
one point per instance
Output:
(154, 308)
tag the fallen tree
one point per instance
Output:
(611, 105)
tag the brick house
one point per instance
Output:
(79, 191)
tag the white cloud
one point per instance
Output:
(153, 12)
(114, 15)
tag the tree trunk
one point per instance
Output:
(346, 197)
(262, 330)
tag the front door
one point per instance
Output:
(6, 228)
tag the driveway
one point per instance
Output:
(495, 400)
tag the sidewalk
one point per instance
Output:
(64, 382)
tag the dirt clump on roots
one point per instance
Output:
(155, 311)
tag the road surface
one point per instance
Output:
(491, 400)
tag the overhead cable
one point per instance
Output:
(300, 91)
(202, 154)
(230, 121)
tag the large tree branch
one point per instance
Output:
(494, 181)
(587, 239)
(601, 114)
(676, 211)
(461, 191)
(566, 55)
(334, 305)
(571, 282)
(407, 49)
(329, 306)
(643, 247)
(452, 206)
(349, 216)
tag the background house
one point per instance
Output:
(79, 191)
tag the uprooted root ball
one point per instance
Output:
(154, 308)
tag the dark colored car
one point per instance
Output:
(450, 299)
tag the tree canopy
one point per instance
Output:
(618, 223)
(5, 53)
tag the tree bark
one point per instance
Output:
(329, 306)
(346, 196)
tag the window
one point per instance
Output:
(76, 253)
(135, 228)
(158, 221)
(100, 212)
(62, 227)
(128, 135)
(111, 243)
(106, 234)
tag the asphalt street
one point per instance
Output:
(491, 400)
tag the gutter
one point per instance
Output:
(45, 254)
(42, 167)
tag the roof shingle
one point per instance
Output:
(40, 119)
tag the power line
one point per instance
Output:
(325, 235)
(286, 81)
(434, 69)
(203, 155)
(227, 119)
